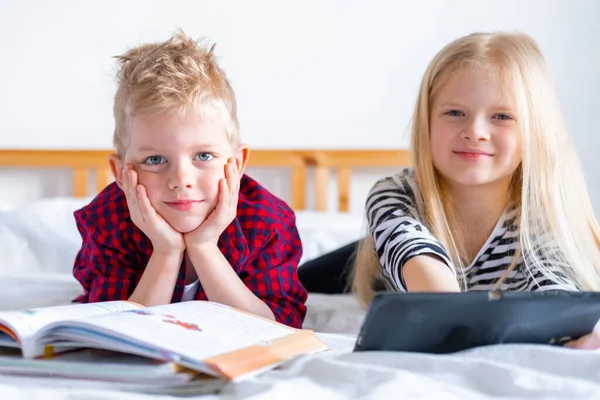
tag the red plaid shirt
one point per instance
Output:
(262, 245)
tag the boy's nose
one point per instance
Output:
(182, 177)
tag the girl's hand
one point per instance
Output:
(591, 341)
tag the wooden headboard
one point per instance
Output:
(324, 162)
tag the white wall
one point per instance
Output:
(330, 74)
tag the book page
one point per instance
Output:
(26, 323)
(194, 330)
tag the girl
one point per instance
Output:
(496, 199)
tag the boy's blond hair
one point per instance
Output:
(177, 76)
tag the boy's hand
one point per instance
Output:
(164, 238)
(213, 226)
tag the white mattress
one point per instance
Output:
(37, 244)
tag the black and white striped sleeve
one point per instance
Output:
(396, 228)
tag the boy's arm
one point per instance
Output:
(268, 285)
(105, 271)
(158, 281)
(110, 266)
(273, 275)
(221, 283)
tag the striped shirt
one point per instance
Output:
(396, 222)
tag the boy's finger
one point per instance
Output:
(223, 204)
(233, 179)
(143, 203)
(237, 177)
(128, 187)
(133, 184)
(228, 171)
(125, 179)
(131, 197)
(134, 177)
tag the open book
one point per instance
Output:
(197, 335)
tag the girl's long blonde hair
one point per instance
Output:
(556, 218)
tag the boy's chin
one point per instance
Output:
(187, 225)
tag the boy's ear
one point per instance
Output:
(116, 167)
(242, 156)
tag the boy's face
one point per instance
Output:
(180, 160)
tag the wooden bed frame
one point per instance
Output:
(324, 162)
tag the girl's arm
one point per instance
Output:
(410, 256)
(428, 274)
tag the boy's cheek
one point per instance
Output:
(151, 186)
(216, 171)
(146, 179)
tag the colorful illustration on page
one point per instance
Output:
(186, 325)
(170, 319)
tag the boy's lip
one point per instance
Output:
(183, 204)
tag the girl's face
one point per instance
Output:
(475, 138)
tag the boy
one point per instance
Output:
(182, 221)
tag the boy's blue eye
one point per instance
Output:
(154, 160)
(204, 156)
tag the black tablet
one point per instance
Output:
(449, 322)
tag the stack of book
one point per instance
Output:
(188, 347)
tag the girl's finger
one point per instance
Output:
(590, 341)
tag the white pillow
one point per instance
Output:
(40, 237)
(6, 206)
(43, 237)
(322, 232)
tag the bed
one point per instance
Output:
(38, 241)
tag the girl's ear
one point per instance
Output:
(116, 167)
(242, 156)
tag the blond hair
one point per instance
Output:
(177, 75)
(548, 187)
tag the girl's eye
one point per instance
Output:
(204, 156)
(455, 113)
(154, 160)
(503, 117)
